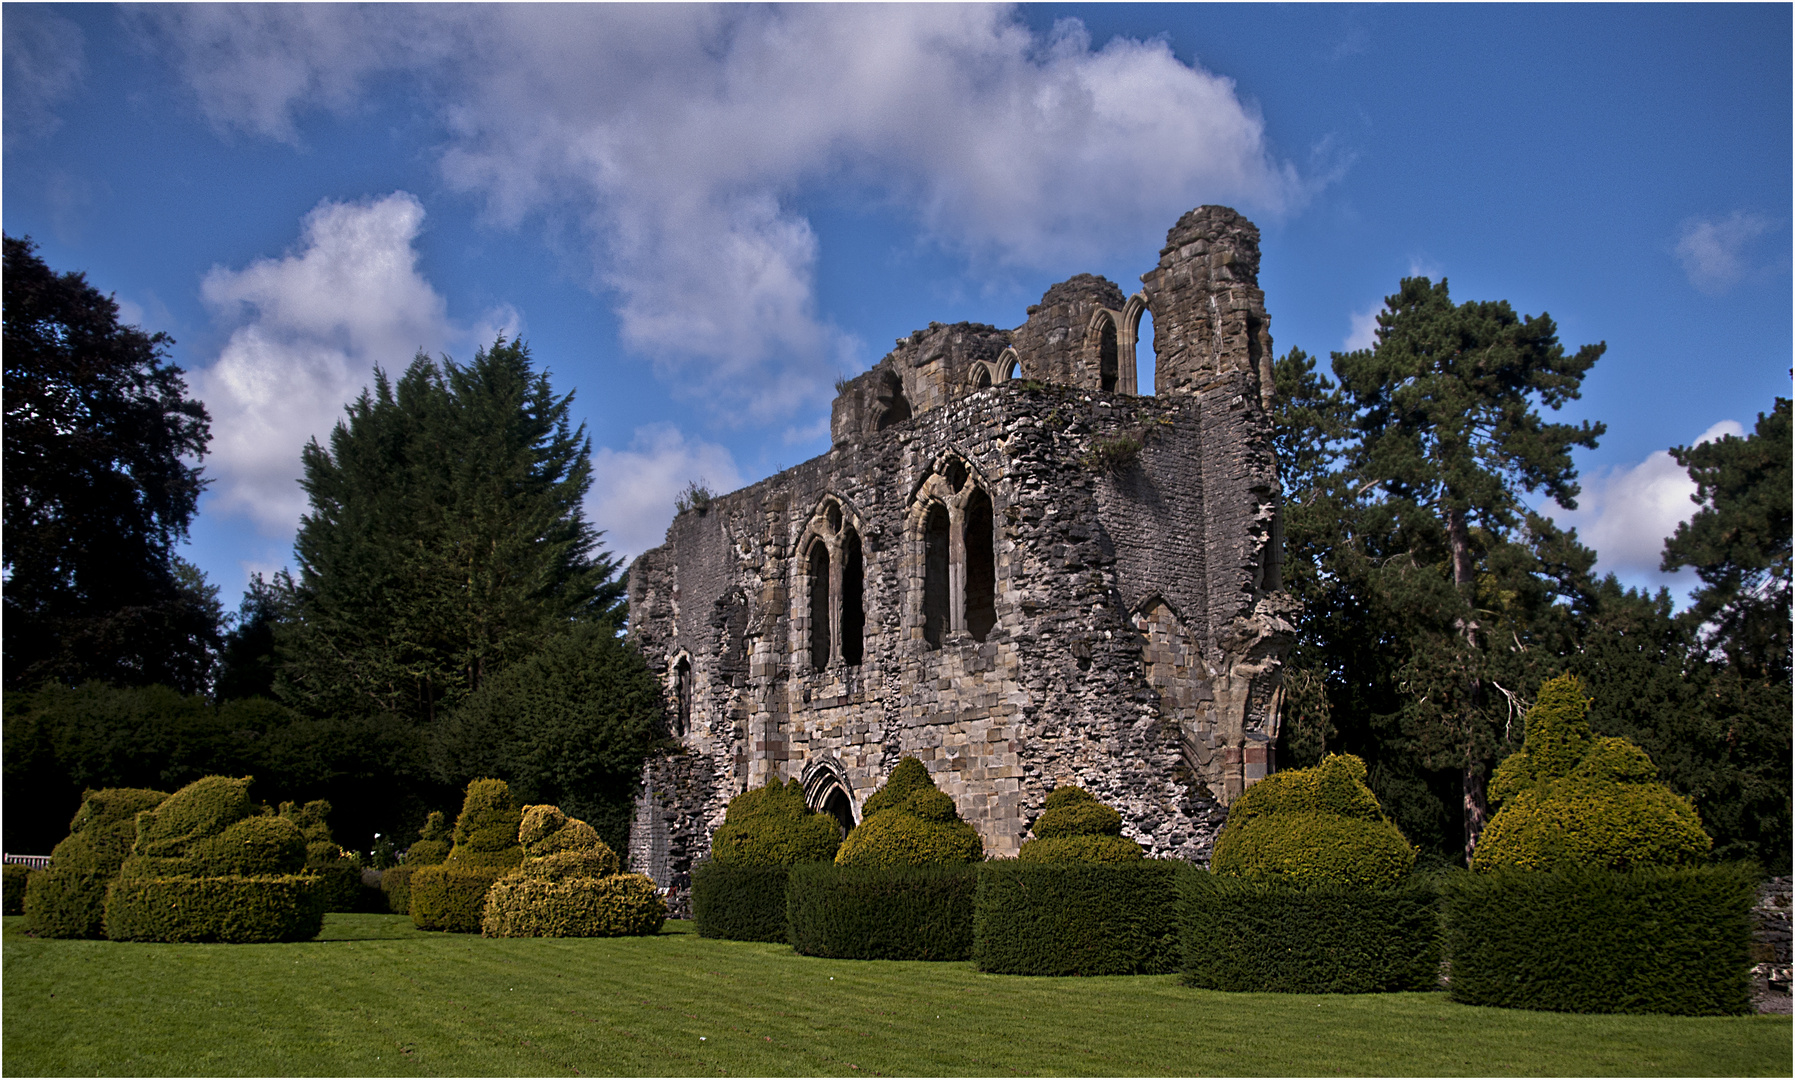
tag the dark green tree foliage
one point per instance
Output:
(1739, 544)
(98, 492)
(1075, 827)
(567, 726)
(1077, 918)
(246, 660)
(771, 826)
(68, 900)
(1653, 940)
(445, 541)
(58, 741)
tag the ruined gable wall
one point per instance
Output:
(1051, 344)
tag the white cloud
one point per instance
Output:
(44, 62)
(682, 139)
(1362, 333)
(1626, 514)
(633, 490)
(312, 325)
(1713, 251)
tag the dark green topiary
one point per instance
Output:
(771, 826)
(339, 871)
(207, 866)
(881, 912)
(569, 886)
(430, 850)
(1568, 799)
(1034, 919)
(68, 900)
(18, 879)
(452, 896)
(916, 826)
(739, 903)
(1074, 827)
(1311, 827)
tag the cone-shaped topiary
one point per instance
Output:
(210, 865)
(1075, 827)
(771, 826)
(910, 822)
(1570, 799)
(451, 896)
(568, 886)
(1316, 826)
(68, 900)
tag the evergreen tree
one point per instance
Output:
(445, 540)
(99, 432)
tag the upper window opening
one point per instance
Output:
(893, 406)
(819, 606)
(682, 696)
(981, 567)
(853, 605)
(981, 377)
(1106, 356)
(934, 577)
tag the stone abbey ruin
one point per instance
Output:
(1007, 565)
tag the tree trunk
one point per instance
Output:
(1477, 809)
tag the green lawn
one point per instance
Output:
(373, 996)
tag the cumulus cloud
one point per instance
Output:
(310, 327)
(680, 141)
(633, 490)
(1627, 513)
(44, 62)
(1713, 252)
(1362, 331)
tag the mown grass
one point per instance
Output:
(373, 996)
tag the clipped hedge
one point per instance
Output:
(1649, 940)
(739, 903)
(614, 906)
(430, 849)
(230, 909)
(1077, 919)
(68, 900)
(17, 877)
(1245, 935)
(451, 896)
(882, 912)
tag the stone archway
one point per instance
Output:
(826, 790)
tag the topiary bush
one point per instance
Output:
(1568, 799)
(339, 871)
(910, 822)
(1075, 827)
(18, 877)
(451, 896)
(569, 886)
(739, 903)
(1041, 919)
(430, 850)
(1315, 826)
(882, 912)
(771, 826)
(68, 899)
(208, 865)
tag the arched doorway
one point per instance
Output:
(826, 790)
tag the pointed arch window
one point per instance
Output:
(956, 541)
(853, 601)
(832, 568)
(682, 696)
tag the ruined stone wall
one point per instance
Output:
(1118, 626)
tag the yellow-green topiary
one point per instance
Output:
(771, 826)
(430, 849)
(68, 900)
(1075, 827)
(210, 865)
(339, 871)
(452, 894)
(569, 886)
(910, 822)
(1570, 799)
(1316, 826)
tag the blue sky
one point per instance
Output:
(699, 217)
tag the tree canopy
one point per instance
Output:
(445, 540)
(101, 482)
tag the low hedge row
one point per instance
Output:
(17, 877)
(739, 903)
(64, 904)
(613, 906)
(1326, 939)
(452, 898)
(882, 912)
(395, 884)
(1651, 940)
(1077, 918)
(286, 907)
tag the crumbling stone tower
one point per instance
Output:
(1009, 565)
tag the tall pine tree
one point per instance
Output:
(445, 540)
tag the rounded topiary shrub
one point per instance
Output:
(1309, 827)
(1075, 827)
(68, 900)
(339, 871)
(910, 822)
(430, 849)
(18, 877)
(208, 865)
(569, 886)
(1569, 799)
(771, 826)
(452, 895)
